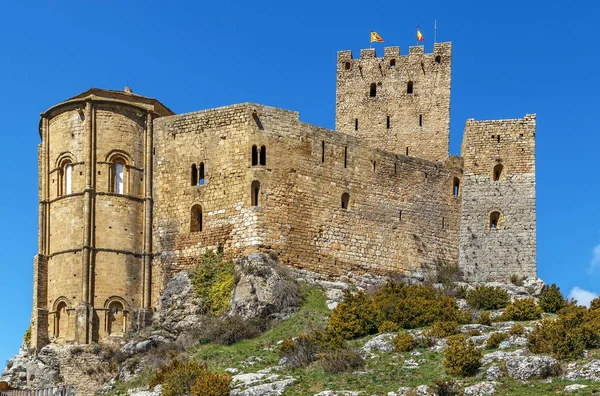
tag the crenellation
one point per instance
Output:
(131, 193)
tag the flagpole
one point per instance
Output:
(434, 30)
(370, 42)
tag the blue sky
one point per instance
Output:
(509, 58)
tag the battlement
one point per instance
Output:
(394, 52)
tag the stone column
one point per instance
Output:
(148, 169)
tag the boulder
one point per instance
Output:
(574, 388)
(526, 367)
(381, 343)
(480, 389)
(181, 308)
(256, 384)
(493, 373)
(588, 371)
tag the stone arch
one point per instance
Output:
(255, 192)
(347, 65)
(263, 155)
(496, 221)
(254, 155)
(116, 309)
(345, 200)
(118, 172)
(64, 165)
(194, 175)
(196, 220)
(438, 59)
(456, 187)
(201, 174)
(498, 171)
(61, 308)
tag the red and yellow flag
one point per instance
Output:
(419, 35)
(376, 38)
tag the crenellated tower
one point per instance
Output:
(398, 103)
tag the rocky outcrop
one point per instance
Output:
(259, 384)
(527, 367)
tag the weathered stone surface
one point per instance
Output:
(381, 343)
(480, 389)
(338, 393)
(589, 370)
(493, 373)
(526, 367)
(502, 356)
(574, 388)
(181, 308)
(256, 384)
(145, 391)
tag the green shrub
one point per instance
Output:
(488, 297)
(388, 327)
(214, 280)
(568, 336)
(441, 329)
(403, 342)
(595, 304)
(447, 387)
(340, 360)
(448, 273)
(353, 317)
(461, 357)
(520, 310)
(516, 280)
(485, 319)
(229, 330)
(299, 352)
(517, 329)
(178, 377)
(425, 340)
(551, 300)
(212, 384)
(474, 332)
(461, 292)
(495, 339)
(27, 335)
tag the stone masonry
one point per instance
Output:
(131, 193)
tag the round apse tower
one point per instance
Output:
(92, 273)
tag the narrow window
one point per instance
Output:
(345, 200)
(254, 155)
(388, 122)
(456, 186)
(116, 319)
(407, 151)
(373, 90)
(498, 138)
(395, 168)
(196, 219)
(374, 166)
(194, 175)
(201, 178)
(263, 155)
(400, 216)
(438, 59)
(443, 222)
(494, 220)
(255, 192)
(345, 157)
(323, 151)
(356, 124)
(409, 87)
(420, 119)
(498, 172)
(393, 63)
(119, 178)
(257, 121)
(347, 65)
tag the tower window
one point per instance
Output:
(400, 216)
(347, 65)
(356, 124)
(374, 164)
(443, 222)
(194, 175)
(373, 90)
(201, 176)
(395, 168)
(196, 219)
(407, 151)
(263, 155)
(495, 221)
(68, 178)
(409, 87)
(254, 155)
(387, 125)
(393, 63)
(255, 192)
(119, 178)
(456, 187)
(345, 156)
(420, 119)
(345, 200)
(498, 137)
(438, 59)
(498, 172)
(322, 151)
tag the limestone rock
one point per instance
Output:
(181, 308)
(145, 391)
(526, 367)
(589, 371)
(338, 393)
(501, 355)
(493, 373)
(381, 343)
(574, 388)
(256, 384)
(481, 389)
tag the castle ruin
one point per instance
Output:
(131, 193)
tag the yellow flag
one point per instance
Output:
(376, 38)
(419, 35)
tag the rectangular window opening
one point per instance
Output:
(322, 151)
(388, 122)
(420, 119)
(345, 157)
(356, 124)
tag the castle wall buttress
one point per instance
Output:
(498, 224)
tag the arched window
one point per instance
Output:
(254, 155)
(116, 319)
(65, 177)
(347, 65)
(119, 177)
(263, 155)
(409, 87)
(194, 175)
(495, 221)
(498, 172)
(438, 59)
(373, 90)
(456, 187)
(255, 192)
(345, 200)
(62, 320)
(196, 219)
(393, 63)
(201, 174)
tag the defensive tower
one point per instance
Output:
(92, 270)
(397, 103)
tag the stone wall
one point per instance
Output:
(494, 252)
(412, 122)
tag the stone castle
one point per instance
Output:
(131, 193)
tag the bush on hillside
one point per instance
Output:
(517, 329)
(214, 280)
(212, 384)
(340, 360)
(230, 329)
(461, 357)
(595, 304)
(299, 352)
(495, 339)
(551, 300)
(353, 317)
(520, 310)
(485, 319)
(447, 387)
(488, 297)
(403, 342)
(179, 377)
(444, 328)
(27, 335)
(388, 327)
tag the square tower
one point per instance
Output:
(397, 103)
